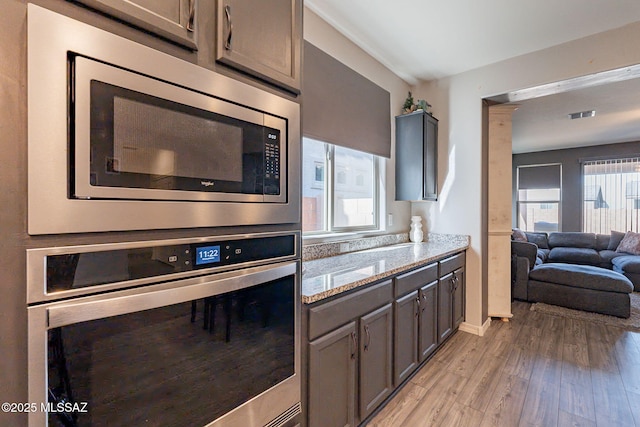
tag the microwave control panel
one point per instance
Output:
(272, 162)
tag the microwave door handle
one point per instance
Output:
(180, 291)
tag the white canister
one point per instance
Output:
(415, 234)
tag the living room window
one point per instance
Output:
(539, 195)
(611, 195)
(344, 197)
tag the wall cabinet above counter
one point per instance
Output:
(416, 157)
(262, 40)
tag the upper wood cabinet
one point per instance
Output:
(174, 20)
(261, 38)
(416, 157)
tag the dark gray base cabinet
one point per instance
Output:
(406, 337)
(332, 371)
(428, 339)
(376, 349)
(364, 345)
(350, 368)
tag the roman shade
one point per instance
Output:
(539, 177)
(341, 107)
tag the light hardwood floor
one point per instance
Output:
(536, 370)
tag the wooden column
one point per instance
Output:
(499, 211)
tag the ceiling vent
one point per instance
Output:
(582, 114)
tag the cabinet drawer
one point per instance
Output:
(330, 315)
(452, 263)
(414, 279)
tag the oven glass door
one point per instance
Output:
(181, 364)
(162, 141)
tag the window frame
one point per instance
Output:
(329, 193)
(541, 201)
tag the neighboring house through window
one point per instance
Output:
(340, 191)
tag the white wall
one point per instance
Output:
(457, 103)
(319, 33)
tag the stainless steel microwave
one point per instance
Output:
(124, 137)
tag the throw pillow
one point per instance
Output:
(630, 243)
(616, 238)
(539, 238)
(518, 235)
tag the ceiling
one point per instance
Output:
(429, 39)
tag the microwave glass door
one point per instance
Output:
(141, 138)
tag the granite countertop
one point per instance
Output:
(325, 277)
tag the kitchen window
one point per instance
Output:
(344, 195)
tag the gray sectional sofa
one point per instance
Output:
(576, 270)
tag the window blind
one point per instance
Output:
(539, 177)
(611, 195)
(341, 107)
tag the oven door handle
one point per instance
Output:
(175, 292)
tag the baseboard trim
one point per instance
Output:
(476, 330)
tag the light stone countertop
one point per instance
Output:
(325, 277)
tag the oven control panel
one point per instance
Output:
(135, 264)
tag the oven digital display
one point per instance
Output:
(207, 255)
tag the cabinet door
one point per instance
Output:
(416, 157)
(409, 167)
(428, 340)
(405, 359)
(171, 19)
(445, 288)
(332, 378)
(375, 374)
(458, 297)
(430, 173)
(262, 38)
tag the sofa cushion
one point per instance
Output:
(614, 241)
(626, 263)
(602, 241)
(572, 240)
(540, 239)
(543, 254)
(606, 256)
(581, 276)
(630, 243)
(574, 256)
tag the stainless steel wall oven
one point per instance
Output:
(189, 331)
(124, 137)
(166, 333)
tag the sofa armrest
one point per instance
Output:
(525, 250)
(521, 278)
